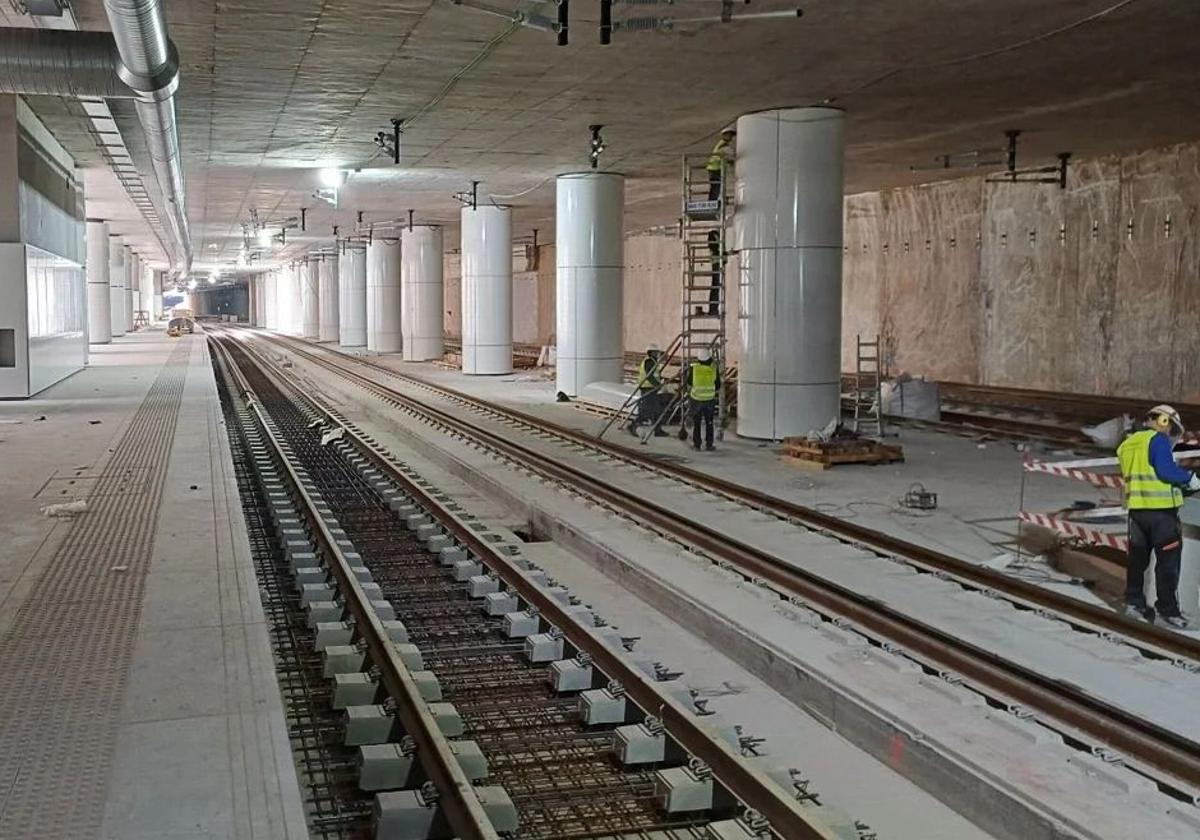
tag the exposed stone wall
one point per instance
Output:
(1028, 286)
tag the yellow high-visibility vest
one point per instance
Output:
(716, 158)
(1143, 490)
(704, 382)
(645, 369)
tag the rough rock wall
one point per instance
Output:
(1087, 289)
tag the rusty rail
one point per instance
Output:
(1165, 752)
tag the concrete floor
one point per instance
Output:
(195, 746)
(980, 483)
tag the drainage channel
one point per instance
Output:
(549, 745)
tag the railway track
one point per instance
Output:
(384, 537)
(1170, 758)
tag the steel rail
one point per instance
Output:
(459, 804)
(1151, 639)
(753, 788)
(1158, 750)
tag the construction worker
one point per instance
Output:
(649, 383)
(702, 381)
(716, 162)
(1154, 490)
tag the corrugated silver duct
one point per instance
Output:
(150, 65)
(60, 63)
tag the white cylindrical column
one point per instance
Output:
(352, 303)
(99, 296)
(130, 286)
(296, 299)
(159, 277)
(310, 298)
(422, 299)
(329, 328)
(590, 257)
(383, 296)
(487, 299)
(788, 229)
(116, 285)
(270, 303)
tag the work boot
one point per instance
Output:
(709, 447)
(633, 430)
(1176, 622)
(660, 433)
(1139, 613)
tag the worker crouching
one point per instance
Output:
(1154, 489)
(650, 392)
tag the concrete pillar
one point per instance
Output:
(352, 301)
(157, 311)
(329, 328)
(252, 301)
(116, 285)
(271, 321)
(129, 287)
(788, 230)
(590, 260)
(487, 294)
(383, 296)
(99, 305)
(296, 299)
(422, 299)
(310, 298)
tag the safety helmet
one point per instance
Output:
(728, 132)
(652, 348)
(1164, 418)
(705, 355)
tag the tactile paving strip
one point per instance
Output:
(65, 660)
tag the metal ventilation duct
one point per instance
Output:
(150, 65)
(137, 61)
(60, 63)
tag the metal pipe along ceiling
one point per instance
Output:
(137, 61)
(60, 63)
(150, 65)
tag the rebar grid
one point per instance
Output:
(335, 808)
(562, 778)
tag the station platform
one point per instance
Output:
(136, 674)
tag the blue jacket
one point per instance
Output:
(1164, 462)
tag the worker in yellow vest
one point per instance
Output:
(702, 381)
(1154, 490)
(716, 162)
(649, 383)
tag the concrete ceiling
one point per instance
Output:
(272, 90)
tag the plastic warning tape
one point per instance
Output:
(1078, 469)
(1074, 529)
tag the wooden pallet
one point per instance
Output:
(819, 455)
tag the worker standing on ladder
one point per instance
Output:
(649, 383)
(716, 163)
(1154, 489)
(702, 381)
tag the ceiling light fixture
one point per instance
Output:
(264, 238)
(333, 178)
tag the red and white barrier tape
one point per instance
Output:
(1073, 529)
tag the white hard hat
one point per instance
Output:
(1166, 419)
(705, 355)
(652, 347)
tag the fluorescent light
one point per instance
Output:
(333, 178)
(264, 238)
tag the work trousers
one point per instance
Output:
(649, 407)
(1158, 531)
(714, 184)
(703, 412)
